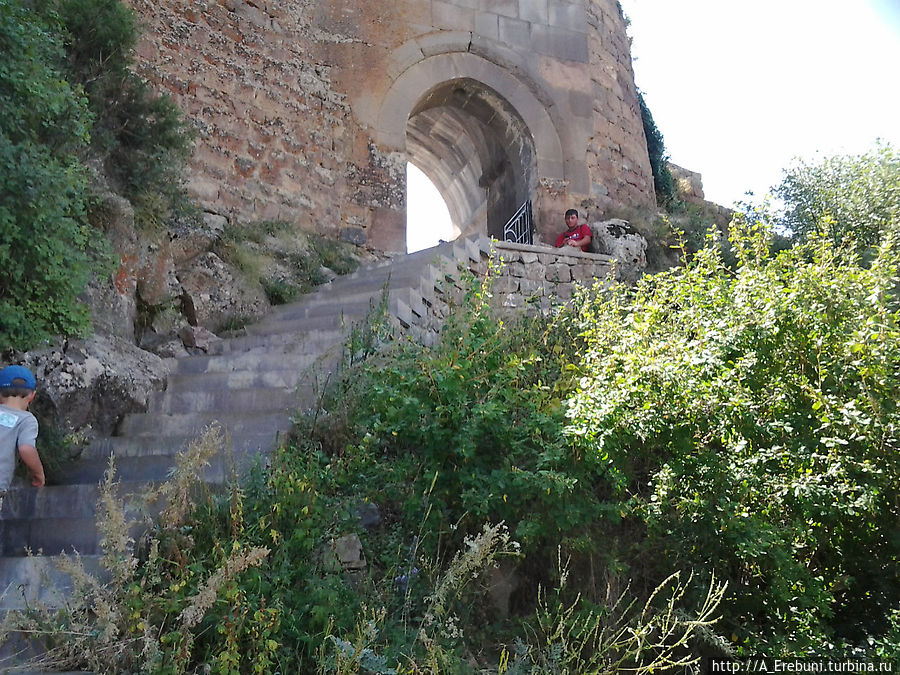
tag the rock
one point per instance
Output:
(369, 515)
(189, 239)
(353, 235)
(89, 385)
(214, 294)
(327, 274)
(348, 550)
(198, 337)
(112, 299)
(618, 239)
(164, 346)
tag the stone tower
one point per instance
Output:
(309, 110)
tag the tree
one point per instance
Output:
(860, 194)
(45, 257)
(749, 420)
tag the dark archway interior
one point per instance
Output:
(476, 150)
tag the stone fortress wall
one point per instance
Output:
(308, 111)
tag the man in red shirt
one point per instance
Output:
(575, 235)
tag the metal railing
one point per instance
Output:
(519, 227)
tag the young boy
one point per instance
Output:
(577, 236)
(18, 427)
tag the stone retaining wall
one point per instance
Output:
(531, 273)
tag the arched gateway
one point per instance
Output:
(309, 113)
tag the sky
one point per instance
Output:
(741, 89)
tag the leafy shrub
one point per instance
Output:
(141, 134)
(662, 177)
(749, 420)
(46, 248)
(858, 194)
(481, 411)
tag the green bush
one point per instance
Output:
(45, 244)
(748, 419)
(858, 194)
(663, 182)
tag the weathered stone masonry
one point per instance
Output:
(308, 111)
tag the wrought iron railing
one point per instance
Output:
(519, 227)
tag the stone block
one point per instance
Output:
(388, 230)
(444, 42)
(569, 15)
(560, 43)
(583, 272)
(451, 17)
(501, 7)
(349, 552)
(516, 270)
(403, 57)
(534, 11)
(529, 257)
(510, 256)
(515, 32)
(529, 287)
(505, 284)
(535, 271)
(563, 291)
(353, 235)
(487, 24)
(559, 272)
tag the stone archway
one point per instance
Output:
(479, 133)
(476, 150)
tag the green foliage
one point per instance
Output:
(283, 260)
(749, 420)
(859, 194)
(662, 177)
(142, 135)
(67, 90)
(148, 615)
(46, 246)
(481, 412)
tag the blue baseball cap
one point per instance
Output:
(17, 376)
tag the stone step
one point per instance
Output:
(49, 536)
(271, 326)
(252, 361)
(161, 425)
(158, 467)
(25, 580)
(249, 379)
(313, 341)
(198, 398)
(144, 446)
(61, 501)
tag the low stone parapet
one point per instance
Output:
(543, 274)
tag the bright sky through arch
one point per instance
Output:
(741, 89)
(427, 217)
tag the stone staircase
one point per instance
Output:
(251, 386)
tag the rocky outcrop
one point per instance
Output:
(619, 240)
(87, 386)
(213, 293)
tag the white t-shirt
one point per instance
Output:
(17, 427)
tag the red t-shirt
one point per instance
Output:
(577, 234)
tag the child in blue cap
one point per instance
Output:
(18, 427)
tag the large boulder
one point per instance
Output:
(619, 240)
(87, 386)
